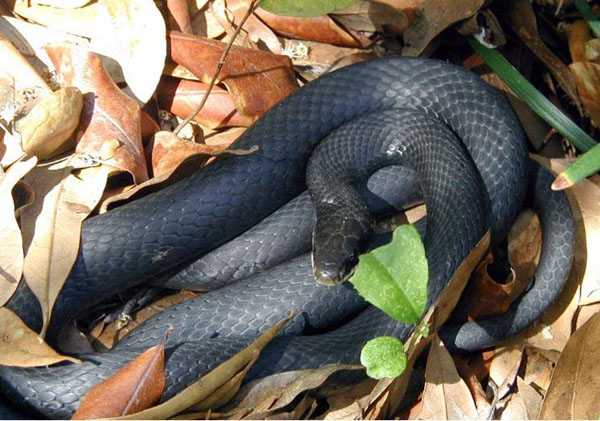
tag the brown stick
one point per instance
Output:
(253, 6)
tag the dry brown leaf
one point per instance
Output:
(446, 396)
(435, 16)
(524, 247)
(539, 368)
(205, 22)
(205, 386)
(52, 227)
(272, 393)
(23, 75)
(574, 391)
(587, 78)
(319, 28)
(524, 23)
(482, 403)
(80, 21)
(514, 408)
(504, 367)
(169, 151)
(11, 241)
(46, 129)
(181, 97)
(22, 347)
(179, 16)
(135, 387)
(255, 29)
(377, 16)
(578, 33)
(133, 33)
(256, 79)
(532, 399)
(108, 114)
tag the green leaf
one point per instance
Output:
(585, 165)
(394, 277)
(304, 8)
(383, 357)
(528, 93)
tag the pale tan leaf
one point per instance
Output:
(22, 347)
(11, 242)
(515, 408)
(532, 399)
(46, 129)
(81, 21)
(133, 33)
(135, 387)
(13, 63)
(52, 227)
(574, 391)
(539, 367)
(446, 395)
(62, 4)
(504, 367)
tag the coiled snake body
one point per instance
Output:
(131, 243)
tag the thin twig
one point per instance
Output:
(253, 6)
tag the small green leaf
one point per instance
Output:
(383, 357)
(303, 8)
(394, 277)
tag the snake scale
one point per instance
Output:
(396, 102)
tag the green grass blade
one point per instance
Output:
(589, 15)
(528, 93)
(586, 164)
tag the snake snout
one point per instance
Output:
(333, 273)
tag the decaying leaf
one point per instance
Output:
(52, 227)
(179, 16)
(256, 79)
(539, 368)
(435, 16)
(22, 347)
(107, 112)
(204, 387)
(574, 391)
(257, 32)
(133, 33)
(169, 151)
(446, 396)
(46, 129)
(181, 97)
(135, 387)
(11, 241)
(531, 398)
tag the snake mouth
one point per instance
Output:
(332, 273)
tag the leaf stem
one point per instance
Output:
(253, 6)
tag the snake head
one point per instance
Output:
(337, 243)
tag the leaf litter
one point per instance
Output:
(361, 31)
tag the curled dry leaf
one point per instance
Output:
(574, 391)
(108, 113)
(52, 227)
(204, 387)
(256, 79)
(504, 367)
(46, 129)
(206, 18)
(169, 151)
(11, 241)
(22, 347)
(135, 387)
(181, 97)
(446, 396)
(133, 33)
(80, 21)
(434, 17)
